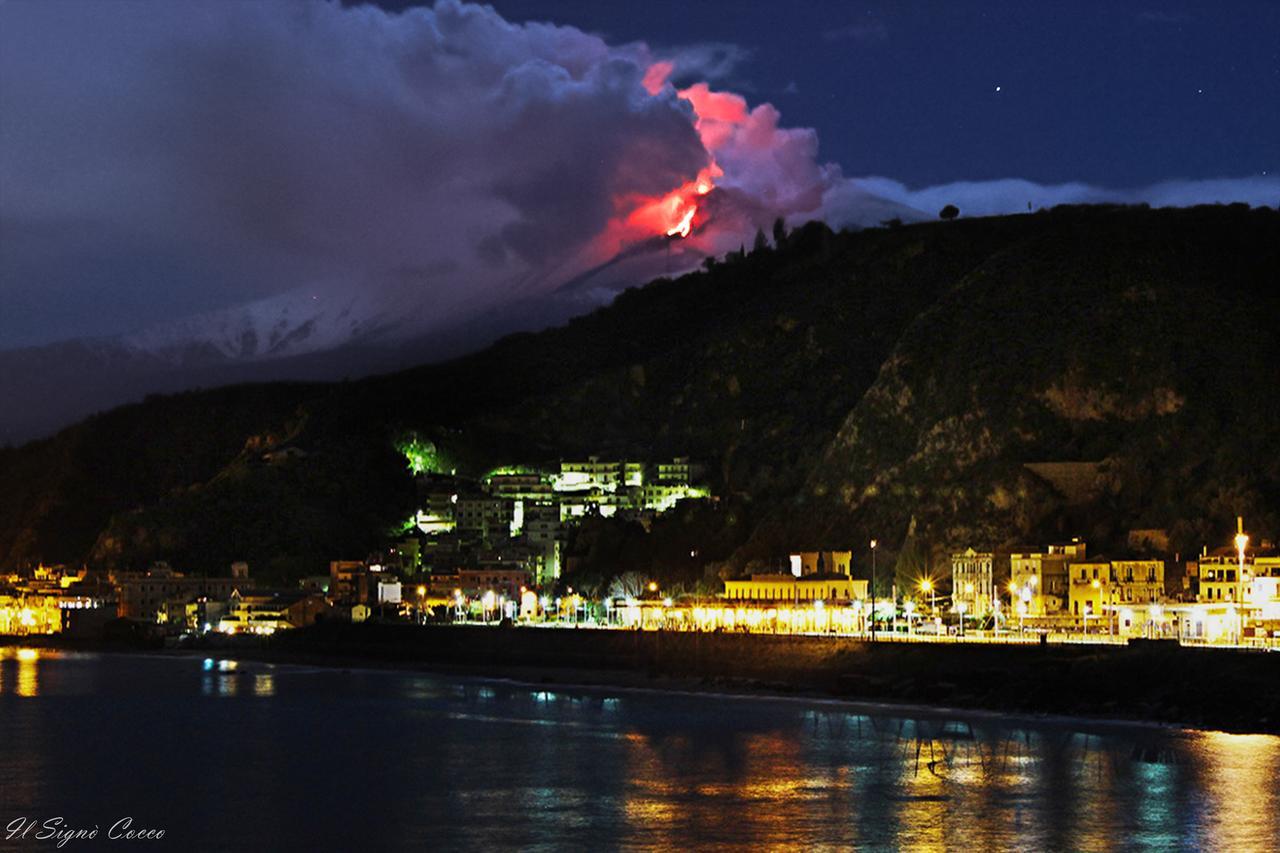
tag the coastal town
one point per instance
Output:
(491, 551)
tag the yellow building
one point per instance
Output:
(23, 615)
(789, 588)
(1100, 589)
(267, 612)
(1038, 579)
(1233, 603)
(973, 582)
(822, 563)
(1220, 579)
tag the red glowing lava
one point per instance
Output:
(673, 214)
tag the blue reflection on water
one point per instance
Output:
(235, 756)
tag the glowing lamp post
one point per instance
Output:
(874, 543)
(1242, 542)
(1096, 586)
(926, 585)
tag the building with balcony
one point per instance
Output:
(973, 583)
(1038, 578)
(788, 588)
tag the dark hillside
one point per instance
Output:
(838, 384)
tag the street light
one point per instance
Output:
(1242, 541)
(873, 589)
(926, 585)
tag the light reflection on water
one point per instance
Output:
(294, 752)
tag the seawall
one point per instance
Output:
(1207, 688)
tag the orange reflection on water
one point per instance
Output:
(1240, 773)
(27, 682)
(758, 786)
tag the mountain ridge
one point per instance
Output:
(799, 374)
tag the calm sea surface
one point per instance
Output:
(245, 756)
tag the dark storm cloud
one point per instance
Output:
(160, 160)
(263, 147)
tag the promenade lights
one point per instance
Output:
(1242, 542)
(926, 585)
(874, 543)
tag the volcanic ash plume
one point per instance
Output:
(263, 148)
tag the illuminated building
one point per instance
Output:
(24, 614)
(1219, 578)
(973, 581)
(1101, 589)
(821, 563)
(608, 486)
(519, 484)
(814, 576)
(1039, 579)
(596, 474)
(268, 611)
(1252, 600)
(783, 588)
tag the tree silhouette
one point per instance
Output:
(779, 233)
(760, 244)
(949, 212)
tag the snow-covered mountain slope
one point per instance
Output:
(293, 323)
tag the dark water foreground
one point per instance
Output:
(231, 755)
(1150, 682)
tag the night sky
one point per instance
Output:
(1111, 93)
(164, 163)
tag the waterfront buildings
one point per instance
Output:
(24, 614)
(145, 595)
(268, 611)
(973, 583)
(1101, 590)
(814, 576)
(1039, 578)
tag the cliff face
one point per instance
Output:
(1143, 343)
(837, 387)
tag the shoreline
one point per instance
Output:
(847, 675)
